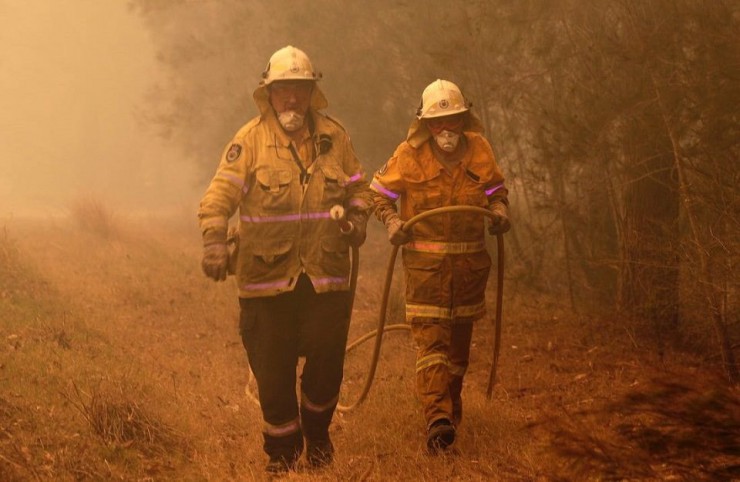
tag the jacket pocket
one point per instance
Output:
(335, 180)
(269, 253)
(267, 259)
(425, 276)
(471, 273)
(472, 191)
(274, 189)
(426, 194)
(335, 255)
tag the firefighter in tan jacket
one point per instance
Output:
(284, 171)
(445, 161)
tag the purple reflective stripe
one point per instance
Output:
(357, 203)
(354, 178)
(376, 186)
(325, 215)
(233, 179)
(494, 189)
(270, 219)
(327, 281)
(282, 430)
(316, 408)
(285, 217)
(267, 286)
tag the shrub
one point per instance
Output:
(94, 216)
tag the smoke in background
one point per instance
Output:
(131, 101)
(214, 53)
(73, 82)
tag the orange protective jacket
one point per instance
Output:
(446, 262)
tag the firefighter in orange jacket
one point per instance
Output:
(284, 171)
(445, 161)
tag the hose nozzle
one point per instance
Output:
(337, 214)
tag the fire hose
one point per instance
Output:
(378, 332)
(337, 213)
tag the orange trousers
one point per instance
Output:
(442, 358)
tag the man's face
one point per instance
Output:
(291, 95)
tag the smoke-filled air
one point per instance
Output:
(184, 221)
(74, 79)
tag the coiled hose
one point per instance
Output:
(377, 333)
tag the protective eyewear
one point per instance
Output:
(300, 88)
(452, 123)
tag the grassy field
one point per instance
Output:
(119, 360)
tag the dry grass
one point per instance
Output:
(127, 364)
(94, 216)
(119, 420)
(9, 268)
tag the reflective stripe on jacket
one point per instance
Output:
(284, 222)
(446, 263)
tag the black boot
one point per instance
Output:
(315, 426)
(319, 453)
(284, 452)
(440, 436)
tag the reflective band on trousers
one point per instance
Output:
(446, 248)
(430, 360)
(431, 311)
(282, 430)
(316, 408)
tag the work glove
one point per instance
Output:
(358, 233)
(500, 220)
(396, 235)
(215, 261)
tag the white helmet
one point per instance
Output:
(441, 98)
(289, 63)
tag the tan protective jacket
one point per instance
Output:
(284, 223)
(446, 262)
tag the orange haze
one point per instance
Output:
(73, 76)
